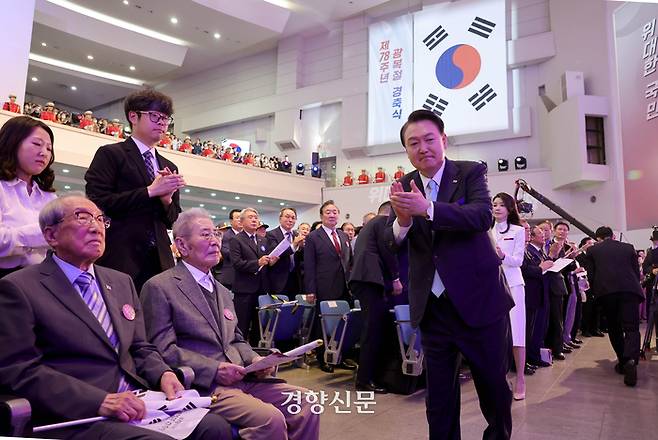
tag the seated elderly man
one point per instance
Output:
(190, 317)
(72, 335)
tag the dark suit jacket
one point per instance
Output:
(461, 251)
(279, 273)
(612, 267)
(224, 270)
(245, 255)
(535, 283)
(325, 272)
(374, 262)
(54, 351)
(116, 182)
(180, 323)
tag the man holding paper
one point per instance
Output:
(283, 278)
(191, 319)
(73, 339)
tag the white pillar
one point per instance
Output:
(17, 19)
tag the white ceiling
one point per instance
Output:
(246, 27)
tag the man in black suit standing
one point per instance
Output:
(138, 189)
(457, 291)
(326, 268)
(614, 274)
(282, 275)
(249, 257)
(375, 275)
(224, 270)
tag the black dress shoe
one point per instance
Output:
(586, 334)
(572, 345)
(566, 349)
(529, 371)
(372, 387)
(347, 364)
(559, 357)
(630, 373)
(529, 365)
(577, 341)
(599, 334)
(327, 368)
(540, 364)
(619, 368)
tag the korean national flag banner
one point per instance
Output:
(389, 79)
(460, 64)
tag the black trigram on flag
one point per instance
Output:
(156, 420)
(435, 105)
(481, 27)
(482, 97)
(435, 37)
(189, 406)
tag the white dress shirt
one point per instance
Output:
(329, 231)
(203, 279)
(21, 240)
(143, 148)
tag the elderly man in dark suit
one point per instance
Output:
(224, 270)
(375, 275)
(326, 269)
(614, 274)
(283, 276)
(73, 338)
(138, 188)
(250, 261)
(457, 291)
(191, 319)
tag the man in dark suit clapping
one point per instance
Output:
(249, 257)
(457, 291)
(614, 274)
(139, 190)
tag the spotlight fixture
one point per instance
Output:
(520, 163)
(44, 44)
(217, 35)
(316, 171)
(300, 169)
(503, 165)
(286, 166)
(173, 20)
(67, 186)
(132, 67)
(74, 88)
(35, 79)
(486, 166)
(126, 2)
(90, 57)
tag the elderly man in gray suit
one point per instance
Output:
(72, 338)
(190, 317)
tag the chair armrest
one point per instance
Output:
(185, 375)
(15, 415)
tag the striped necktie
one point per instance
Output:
(148, 161)
(92, 297)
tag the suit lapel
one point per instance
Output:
(328, 241)
(133, 153)
(114, 309)
(189, 287)
(250, 242)
(59, 286)
(449, 182)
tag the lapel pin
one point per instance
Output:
(107, 286)
(228, 314)
(128, 312)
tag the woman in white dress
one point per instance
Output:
(509, 237)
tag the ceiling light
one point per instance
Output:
(126, 2)
(282, 203)
(44, 44)
(503, 165)
(116, 22)
(67, 186)
(259, 201)
(65, 171)
(237, 197)
(90, 57)
(83, 69)
(187, 190)
(201, 205)
(217, 35)
(213, 216)
(35, 79)
(223, 208)
(213, 194)
(520, 163)
(132, 67)
(74, 88)
(173, 20)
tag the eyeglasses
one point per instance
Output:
(156, 117)
(86, 219)
(208, 236)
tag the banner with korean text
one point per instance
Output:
(460, 64)
(390, 79)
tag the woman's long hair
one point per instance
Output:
(509, 203)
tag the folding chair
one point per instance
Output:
(341, 329)
(409, 340)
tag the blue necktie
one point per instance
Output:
(292, 256)
(148, 161)
(437, 284)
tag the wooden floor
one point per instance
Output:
(581, 398)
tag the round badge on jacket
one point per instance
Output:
(128, 312)
(228, 314)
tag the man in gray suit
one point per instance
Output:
(190, 317)
(72, 335)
